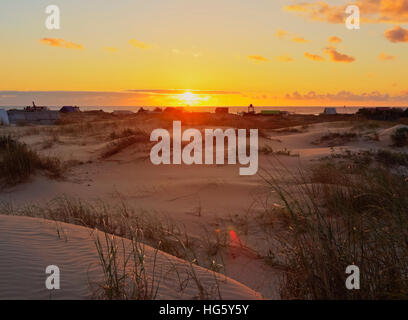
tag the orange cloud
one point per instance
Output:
(319, 11)
(284, 58)
(335, 39)
(281, 33)
(300, 40)
(343, 96)
(258, 58)
(139, 44)
(314, 57)
(386, 57)
(53, 42)
(337, 56)
(397, 34)
(372, 11)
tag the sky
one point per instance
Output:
(204, 53)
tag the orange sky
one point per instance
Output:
(204, 53)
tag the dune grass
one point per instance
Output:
(400, 137)
(18, 162)
(359, 219)
(124, 267)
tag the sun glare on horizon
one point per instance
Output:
(189, 98)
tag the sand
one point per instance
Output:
(29, 245)
(201, 198)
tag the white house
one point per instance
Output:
(4, 119)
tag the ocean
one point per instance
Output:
(296, 110)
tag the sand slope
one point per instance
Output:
(29, 245)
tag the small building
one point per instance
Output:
(67, 109)
(4, 119)
(330, 111)
(45, 117)
(35, 108)
(221, 110)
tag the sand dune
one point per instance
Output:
(206, 197)
(29, 245)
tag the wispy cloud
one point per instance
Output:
(314, 57)
(139, 44)
(181, 91)
(372, 11)
(284, 58)
(319, 11)
(258, 58)
(335, 39)
(61, 43)
(386, 57)
(300, 40)
(373, 96)
(281, 33)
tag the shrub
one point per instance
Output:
(18, 162)
(400, 137)
(363, 221)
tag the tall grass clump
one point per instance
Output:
(124, 270)
(362, 220)
(400, 137)
(18, 162)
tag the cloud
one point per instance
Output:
(372, 11)
(318, 11)
(284, 58)
(335, 39)
(139, 44)
(281, 33)
(342, 96)
(258, 58)
(314, 57)
(337, 56)
(386, 57)
(300, 40)
(397, 34)
(181, 91)
(61, 43)
(100, 98)
(110, 49)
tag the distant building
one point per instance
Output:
(4, 119)
(44, 116)
(330, 111)
(35, 108)
(222, 110)
(67, 109)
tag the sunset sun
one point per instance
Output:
(188, 98)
